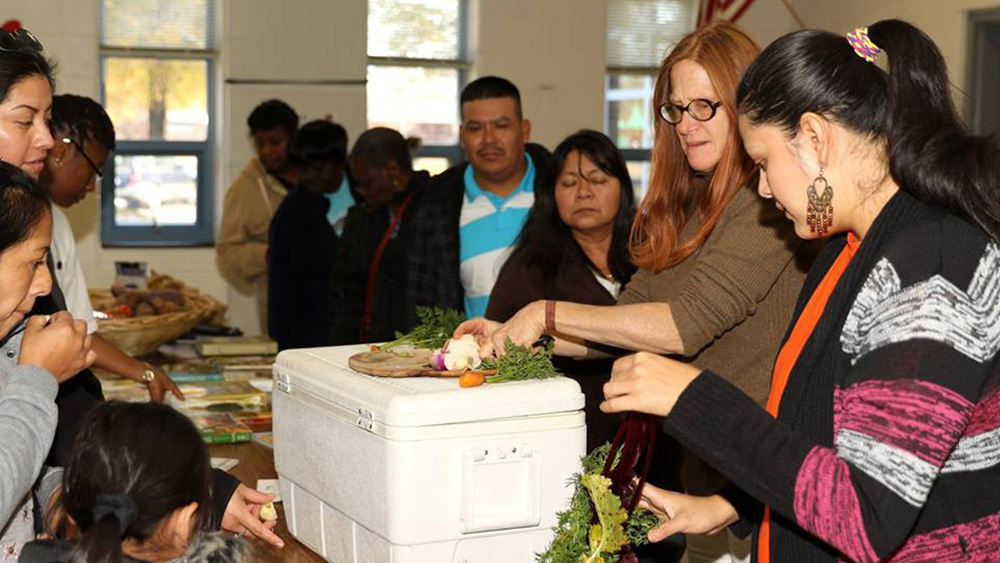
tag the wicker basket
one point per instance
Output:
(138, 336)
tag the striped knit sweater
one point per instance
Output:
(887, 442)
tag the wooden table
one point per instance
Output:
(257, 462)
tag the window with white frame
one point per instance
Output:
(157, 68)
(416, 69)
(640, 34)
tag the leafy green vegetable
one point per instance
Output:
(521, 363)
(607, 537)
(435, 328)
(573, 532)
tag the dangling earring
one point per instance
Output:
(819, 214)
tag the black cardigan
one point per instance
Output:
(302, 250)
(363, 233)
(878, 450)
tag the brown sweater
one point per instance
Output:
(733, 298)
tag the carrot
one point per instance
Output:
(471, 379)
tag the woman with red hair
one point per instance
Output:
(718, 269)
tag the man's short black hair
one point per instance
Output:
(381, 145)
(491, 87)
(271, 115)
(319, 142)
(82, 118)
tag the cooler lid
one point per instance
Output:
(418, 401)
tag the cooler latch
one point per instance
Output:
(282, 383)
(365, 419)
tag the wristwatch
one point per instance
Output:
(149, 375)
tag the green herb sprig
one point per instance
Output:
(435, 328)
(572, 541)
(521, 363)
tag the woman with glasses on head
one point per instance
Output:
(718, 274)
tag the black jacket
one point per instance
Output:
(433, 264)
(302, 250)
(363, 233)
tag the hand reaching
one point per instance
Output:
(688, 514)
(647, 383)
(243, 515)
(160, 385)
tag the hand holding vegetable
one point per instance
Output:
(647, 383)
(522, 329)
(582, 535)
(689, 514)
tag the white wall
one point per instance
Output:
(552, 49)
(309, 53)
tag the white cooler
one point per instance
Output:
(419, 470)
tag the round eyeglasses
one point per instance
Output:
(700, 110)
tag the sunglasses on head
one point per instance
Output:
(19, 40)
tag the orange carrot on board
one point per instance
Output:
(471, 379)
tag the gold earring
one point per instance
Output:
(819, 213)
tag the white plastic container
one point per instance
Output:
(419, 470)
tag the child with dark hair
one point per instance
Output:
(126, 497)
(251, 201)
(304, 245)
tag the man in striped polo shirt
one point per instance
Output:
(480, 205)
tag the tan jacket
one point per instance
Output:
(241, 248)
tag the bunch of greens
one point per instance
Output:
(576, 539)
(521, 363)
(435, 328)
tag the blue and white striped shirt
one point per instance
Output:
(488, 226)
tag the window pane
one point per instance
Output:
(642, 32)
(157, 99)
(639, 171)
(156, 190)
(416, 29)
(416, 101)
(167, 24)
(628, 99)
(432, 164)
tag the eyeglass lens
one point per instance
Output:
(702, 110)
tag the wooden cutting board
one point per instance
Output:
(387, 364)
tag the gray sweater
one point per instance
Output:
(27, 424)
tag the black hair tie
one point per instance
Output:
(121, 507)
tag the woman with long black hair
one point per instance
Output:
(574, 248)
(879, 439)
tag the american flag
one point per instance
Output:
(729, 10)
